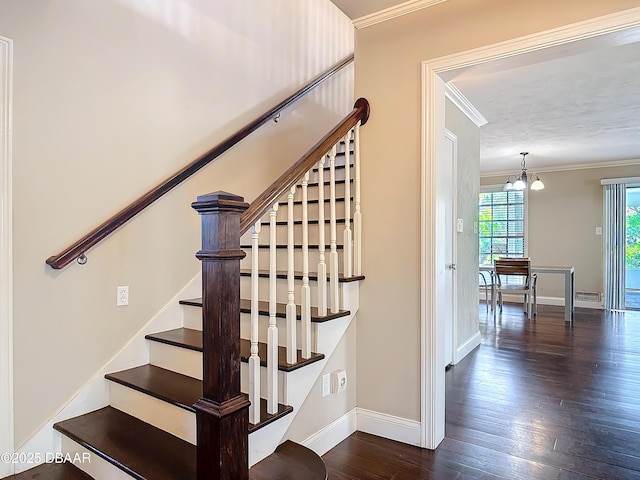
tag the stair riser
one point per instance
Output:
(282, 259)
(340, 173)
(193, 319)
(282, 232)
(98, 468)
(312, 211)
(171, 358)
(282, 293)
(312, 191)
(165, 416)
(281, 323)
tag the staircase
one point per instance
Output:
(290, 323)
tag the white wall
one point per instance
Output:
(110, 98)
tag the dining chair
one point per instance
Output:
(508, 269)
(486, 282)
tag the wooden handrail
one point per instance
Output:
(78, 248)
(289, 178)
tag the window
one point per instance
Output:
(501, 225)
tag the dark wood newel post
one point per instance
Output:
(222, 412)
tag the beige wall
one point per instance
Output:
(388, 57)
(562, 221)
(317, 411)
(109, 98)
(468, 185)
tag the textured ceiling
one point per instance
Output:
(577, 109)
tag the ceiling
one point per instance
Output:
(355, 9)
(577, 106)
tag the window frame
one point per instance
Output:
(525, 217)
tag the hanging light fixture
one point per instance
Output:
(520, 181)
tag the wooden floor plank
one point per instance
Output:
(537, 400)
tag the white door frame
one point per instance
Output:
(6, 256)
(433, 93)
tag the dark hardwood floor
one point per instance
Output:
(537, 400)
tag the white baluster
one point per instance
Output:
(357, 215)
(322, 266)
(346, 252)
(254, 359)
(272, 332)
(292, 353)
(333, 254)
(305, 291)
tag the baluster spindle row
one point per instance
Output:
(352, 265)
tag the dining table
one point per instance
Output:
(569, 284)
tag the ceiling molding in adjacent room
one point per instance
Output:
(465, 106)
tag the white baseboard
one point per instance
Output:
(367, 421)
(557, 301)
(467, 347)
(331, 435)
(389, 426)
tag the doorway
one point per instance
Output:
(435, 73)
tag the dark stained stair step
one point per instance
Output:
(290, 461)
(281, 310)
(137, 448)
(313, 276)
(192, 340)
(51, 471)
(179, 390)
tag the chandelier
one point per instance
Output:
(520, 182)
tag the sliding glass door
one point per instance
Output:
(632, 248)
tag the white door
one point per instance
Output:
(447, 268)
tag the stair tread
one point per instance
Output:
(290, 461)
(192, 339)
(51, 471)
(139, 449)
(179, 390)
(313, 276)
(281, 309)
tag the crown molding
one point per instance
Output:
(463, 103)
(393, 12)
(566, 168)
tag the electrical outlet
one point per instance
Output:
(338, 381)
(326, 384)
(123, 296)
